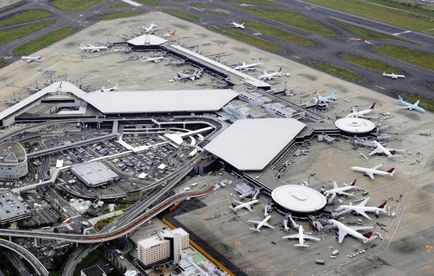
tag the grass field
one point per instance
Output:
(426, 103)
(249, 39)
(2, 63)
(399, 15)
(363, 33)
(152, 3)
(115, 15)
(25, 16)
(200, 5)
(74, 5)
(280, 34)
(409, 55)
(371, 64)
(294, 19)
(44, 41)
(264, 3)
(16, 33)
(337, 71)
(183, 15)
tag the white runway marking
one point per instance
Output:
(135, 4)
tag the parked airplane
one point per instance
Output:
(153, 59)
(361, 113)
(91, 48)
(344, 230)
(393, 76)
(380, 149)
(301, 237)
(342, 190)
(32, 58)
(260, 224)
(151, 28)
(170, 34)
(238, 25)
(193, 76)
(293, 223)
(247, 205)
(361, 209)
(410, 106)
(373, 171)
(110, 89)
(248, 67)
(270, 76)
(325, 99)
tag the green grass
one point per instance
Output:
(44, 41)
(404, 16)
(426, 103)
(74, 5)
(200, 5)
(294, 19)
(3, 63)
(183, 15)
(364, 33)
(16, 33)
(371, 64)
(337, 71)
(118, 5)
(115, 15)
(25, 16)
(409, 55)
(249, 39)
(280, 34)
(152, 3)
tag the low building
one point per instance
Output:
(94, 174)
(13, 161)
(95, 270)
(167, 244)
(12, 209)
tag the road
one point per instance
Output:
(36, 264)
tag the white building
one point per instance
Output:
(167, 244)
(13, 161)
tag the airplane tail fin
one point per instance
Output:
(354, 182)
(254, 229)
(372, 106)
(393, 152)
(400, 98)
(367, 235)
(301, 245)
(383, 205)
(391, 171)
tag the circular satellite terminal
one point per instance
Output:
(355, 125)
(298, 198)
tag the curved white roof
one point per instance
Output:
(298, 198)
(355, 125)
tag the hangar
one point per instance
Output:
(251, 144)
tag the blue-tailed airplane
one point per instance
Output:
(326, 99)
(410, 106)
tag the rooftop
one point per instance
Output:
(12, 153)
(298, 198)
(250, 145)
(11, 207)
(146, 39)
(94, 173)
(355, 125)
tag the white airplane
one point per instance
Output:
(342, 190)
(410, 106)
(326, 99)
(193, 76)
(270, 76)
(373, 171)
(110, 89)
(260, 224)
(247, 205)
(32, 58)
(169, 34)
(380, 149)
(248, 67)
(344, 230)
(361, 209)
(153, 59)
(361, 113)
(301, 237)
(151, 28)
(238, 25)
(91, 48)
(393, 76)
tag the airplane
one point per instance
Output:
(110, 89)
(32, 58)
(301, 237)
(361, 209)
(361, 113)
(154, 59)
(169, 34)
(91, 48)
(373, 171)
(193, 76)
(344, 230)
(293, 223)
(260, 224)
(380, 149)
(270, 76)
(151, 28)
(393, 76)
(238, 25)
(248, 67)
(410, 106)
(326, 99)
(247, 205)
(12, 101)
(342, 190)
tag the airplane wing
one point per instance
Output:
(416, 103)
(377, 167)
(345, 194)
(309, 237)
(371, 175)
(363, 203)
(268, 225)
(359, 228)
(293, 236)
(248, 207)
(363, 214)
(375, 151)
(341, 235)
(254, 221)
